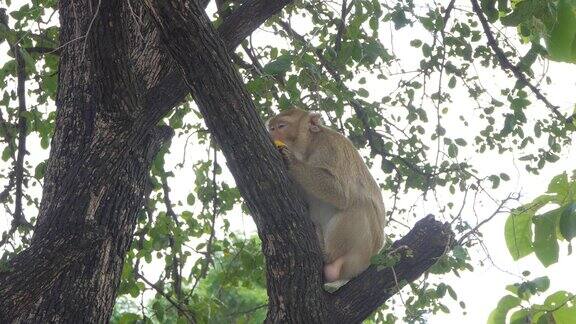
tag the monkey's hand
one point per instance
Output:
(287, 155)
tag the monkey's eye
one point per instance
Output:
(271, 128)
(281, 126)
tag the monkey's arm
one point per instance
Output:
(320, 182)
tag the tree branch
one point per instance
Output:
(244, 20)
(424, 244)
(22, 132)
(181, 309)
(293, 256)
(507, 65)
(18, 171)
(169, 88)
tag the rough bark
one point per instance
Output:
(94, 184)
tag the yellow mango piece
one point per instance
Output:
(279, 144)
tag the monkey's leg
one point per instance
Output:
(348, 246)
(332, 270)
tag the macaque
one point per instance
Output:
(343, 198)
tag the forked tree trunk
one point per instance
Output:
(111, 95)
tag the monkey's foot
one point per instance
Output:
(332, 270)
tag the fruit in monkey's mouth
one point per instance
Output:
(279, 144)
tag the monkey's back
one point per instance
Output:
(364, 192)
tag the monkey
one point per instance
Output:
(344, 200)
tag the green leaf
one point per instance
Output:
(28, 61)
(566, 313)
(520, 317)
(545, 243)
(134, 290)
(6, 153)
(546, 318)
(190, 199)
(541, 283)
(416, 43)
(40, 170)
(495, 181)
(559, 185)
(523, 11)
(518, 228)
(452, 150)
(128, 318)
(452, 82)
(498, 315)
(158, 310)
(568, 222)
(362, 92)
(561, 43)
(489, 8)
(460, 141)
(279, 66)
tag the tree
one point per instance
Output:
(125, 67)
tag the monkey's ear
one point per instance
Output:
(315, 122)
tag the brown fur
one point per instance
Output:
(344, 199)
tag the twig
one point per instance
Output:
(496, 212)
(18, 171)
(342, 25)
(43, 50)
(249, 310)
(22, 131)
(182, 310)
(176, 276)
(90, 26)
(208, 253)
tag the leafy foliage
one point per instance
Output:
(558, 307)
(553, 21)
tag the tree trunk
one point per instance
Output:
(294, 276)
(113, 89)
(97, 172)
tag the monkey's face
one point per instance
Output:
(281, 129)
(293, 127)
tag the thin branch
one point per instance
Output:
(507, 65)
(249, 310)
(209, 244)
(18, 171)
(496, 212)
(342, 25)
(181, 310)
(176, 276)
(22, 132)
(43, 50)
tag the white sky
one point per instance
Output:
(481, 289)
